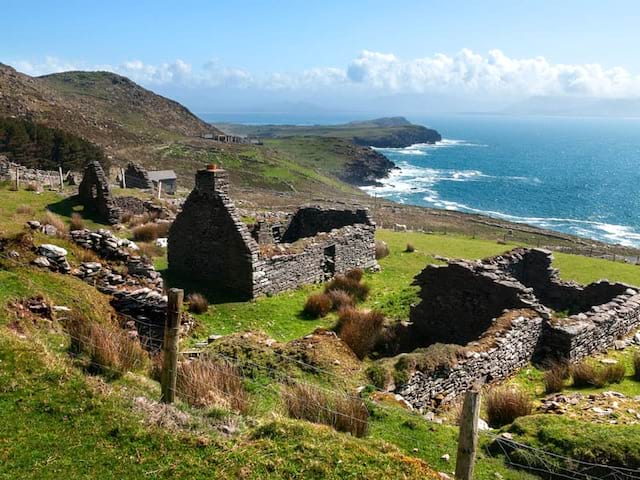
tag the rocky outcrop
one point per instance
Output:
(367, 167)
(400, 137)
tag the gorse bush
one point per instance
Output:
(357, 290)
(111, 350)
(360, 330)
(204, 383)
(77, 223)
(504, 405)
(317, 305)
(381, 249)
(197, 303)
(344, 413)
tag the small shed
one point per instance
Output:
(167, 178)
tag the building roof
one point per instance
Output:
(159, 175)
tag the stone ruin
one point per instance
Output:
(209, 241)
(508, 311)
(96, 196)
(135, 176)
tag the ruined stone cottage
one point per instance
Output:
(209, 241)
(507, 311)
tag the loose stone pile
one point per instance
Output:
(53, 258)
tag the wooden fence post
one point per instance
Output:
(17, 178)
(61, 179)
(468, 437)
(170, 347)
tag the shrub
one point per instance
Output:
(554, 377)
(344, 413)
(146, 233)
(197, 303)
(360, 330)
(162, 229)
(317, 305)
(410, 248)
(504, 405)
(203, 382)
(382, 249)
(24, 210)
(340, 299)
(76, 222)
(358, 291)
(52, 219)
(110, 349)
(355, 274)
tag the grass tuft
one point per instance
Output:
(344, 413)
(555, 376)
(317, 305)
(382, 249)
(198, 303)
(52, 219)
(360, 330)
(357, 290)
(77, 223)
(410, 248)
(586, 374)
(504, 405)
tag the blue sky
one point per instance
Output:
(253, 51)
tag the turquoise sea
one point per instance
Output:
(573, 175)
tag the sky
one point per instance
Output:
(340, 55)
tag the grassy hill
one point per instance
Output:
(381, 132)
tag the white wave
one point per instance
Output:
(424, 148)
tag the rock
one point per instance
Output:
(42, 262)
(34, 224)
(52, 251)
(608, 361)
(49, 230)
(483, 425)
(619, 344)
(446, 457)
(14, 254)
(162, 242)
(444, 476)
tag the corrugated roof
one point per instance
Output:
(158, 175)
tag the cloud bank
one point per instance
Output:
(465, 73)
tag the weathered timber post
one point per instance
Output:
(170, 347)
(123, 180)
(159, 189)
(17, 178)
(468, 438)
(61, 179)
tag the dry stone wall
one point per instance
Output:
(513, 350)
(208, 240)
(460, 301)
(95, 194)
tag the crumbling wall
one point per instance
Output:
(208, 240)
(329, 254)
(309, 221)
(512, 350)
(135, 176)
(95, 194)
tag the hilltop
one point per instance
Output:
(388, 132)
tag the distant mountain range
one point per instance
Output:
(576, 106)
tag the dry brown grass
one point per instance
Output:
(146, 233)
(24, 210)
(357, 290)
(636, 366)
(77, 223)
(342, 412)
(150, 250)
(555, 376)
(340, 299)
(51, 218)
(586, 374)
(382, 249)
(110, 349)
(355, 274)
(317, 305)
(360, 330)
(410, 248)
(31, 187)
(203, 383)
(504, 405)
(86, 255)
(198, 303)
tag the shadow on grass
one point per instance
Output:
(67, 206)
(213, 293)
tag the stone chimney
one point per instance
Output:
(213, 179)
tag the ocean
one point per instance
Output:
(573, 175)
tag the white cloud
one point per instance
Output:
(467, 72)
